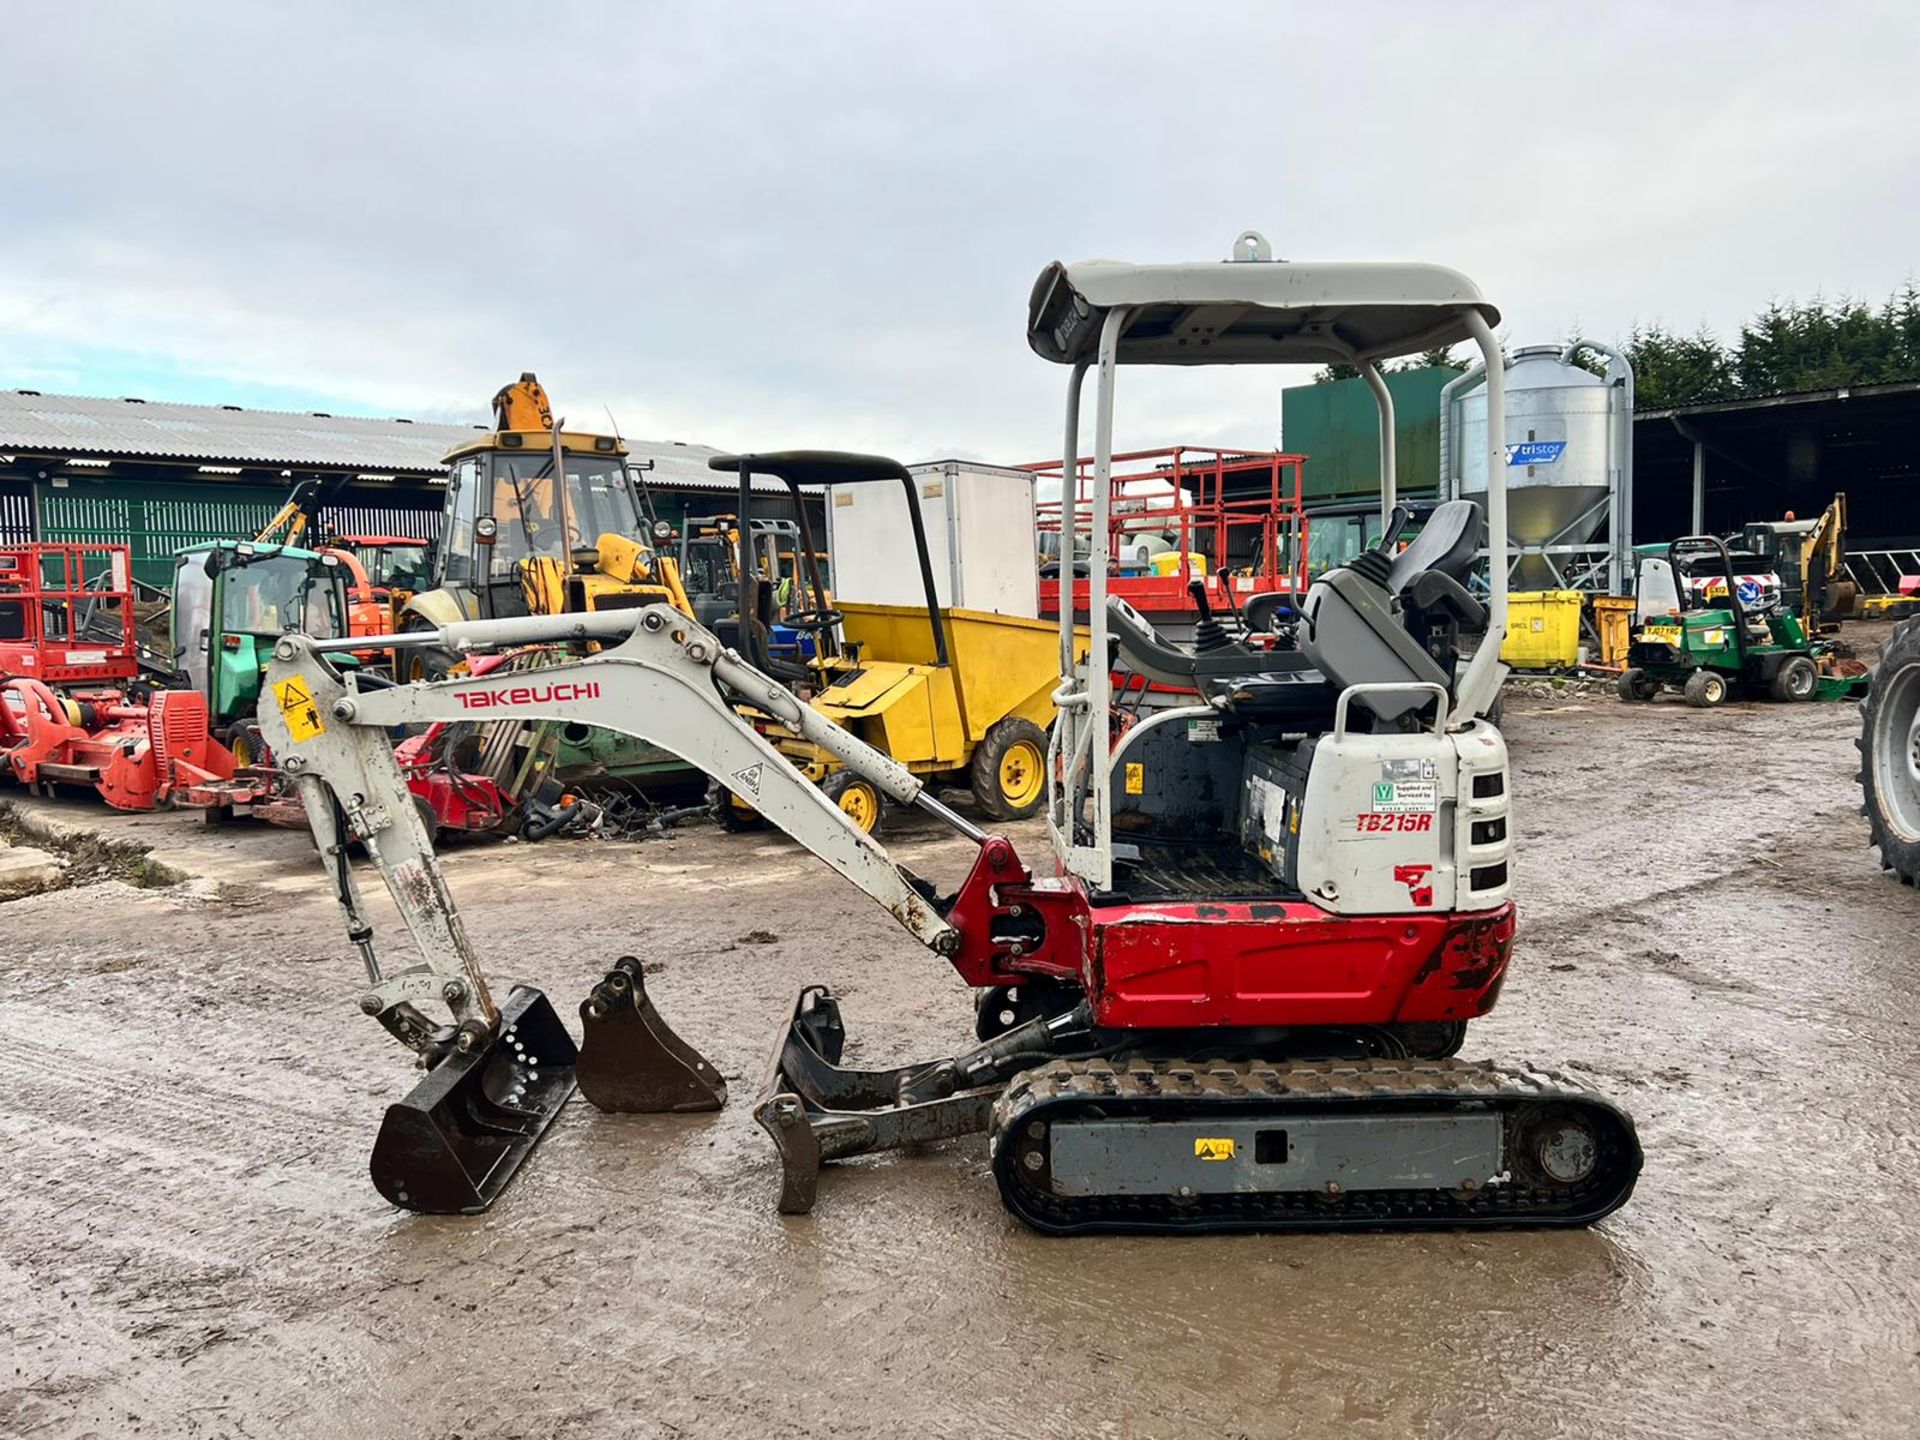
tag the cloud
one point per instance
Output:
(766, 224)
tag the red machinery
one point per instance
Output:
(1196, 512)
(139, 757)
(67, 652)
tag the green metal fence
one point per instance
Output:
(156, 520)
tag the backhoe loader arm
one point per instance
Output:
(662, 683)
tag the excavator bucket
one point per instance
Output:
(631, 1062)
(452, 1145)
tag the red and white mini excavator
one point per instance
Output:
(1234, 1001)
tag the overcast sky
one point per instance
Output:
(815, 223)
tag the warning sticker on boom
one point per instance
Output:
(298, 709)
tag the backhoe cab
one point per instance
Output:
(538, 520)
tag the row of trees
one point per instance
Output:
(1789, 346)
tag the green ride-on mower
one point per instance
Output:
(1709, 645)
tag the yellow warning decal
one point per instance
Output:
(1136, 778)
(298, 709)
(1221, 1149)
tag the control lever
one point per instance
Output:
(1209, 634)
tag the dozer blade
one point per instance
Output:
(814, 1111)
(453, 1144)
(631, 1062)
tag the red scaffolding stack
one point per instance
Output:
(66, 614)
(1228, 518)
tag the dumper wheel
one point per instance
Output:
(731, 814)
(1890, 754)
(1796, 679)
(859, 799)
(1636, 684)
(1706, 689)
(1009, 770)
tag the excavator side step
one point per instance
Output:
(1083, 1147)
(460, 1135)
(631, 1062)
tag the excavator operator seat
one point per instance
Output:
(1353, 628)
(1446, 543)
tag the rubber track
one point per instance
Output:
(1109, 1088)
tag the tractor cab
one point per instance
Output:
(396, 565)
(232, 600)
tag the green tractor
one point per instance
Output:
(232, 599)
(1704, 641)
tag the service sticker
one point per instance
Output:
(1204, 731)
(1405, 797)
(298, 709)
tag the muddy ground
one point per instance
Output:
(189, 1245)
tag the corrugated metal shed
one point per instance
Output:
(96, 427)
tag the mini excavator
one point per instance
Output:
(1277, 900)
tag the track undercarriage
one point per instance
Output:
(1094, 1131)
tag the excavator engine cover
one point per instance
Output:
(458, 1137)
(631, 1062)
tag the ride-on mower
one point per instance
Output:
(1236, 1002)
(1710, 644)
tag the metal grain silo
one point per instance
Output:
(1569, 464)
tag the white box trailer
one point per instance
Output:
(981, 537)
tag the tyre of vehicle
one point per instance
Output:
(859, 799)
(732, 815)
(1796, 679)
(1706, 689)
(1890, 754)
(1636, 685)
(1009, 770)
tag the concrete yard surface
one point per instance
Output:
(190, 1245)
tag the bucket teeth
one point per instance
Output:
(460, 1135)
(631, 1062)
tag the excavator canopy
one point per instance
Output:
(1251, 310)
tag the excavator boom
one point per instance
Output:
(497, 1074)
